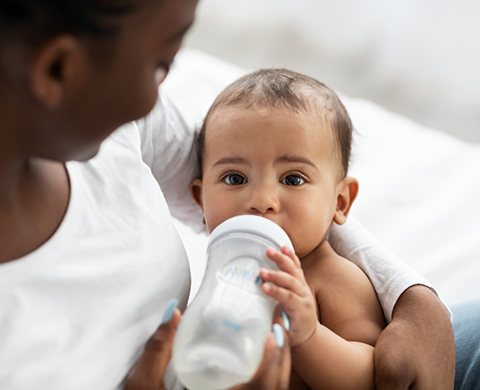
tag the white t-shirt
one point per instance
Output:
(76, 312)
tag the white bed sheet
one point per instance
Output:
(419, 188)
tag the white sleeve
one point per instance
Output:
(389, 275)
(169, 149)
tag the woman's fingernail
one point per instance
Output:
(170, 309)
(278, 334)
(286, 320)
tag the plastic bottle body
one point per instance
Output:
(221, 338)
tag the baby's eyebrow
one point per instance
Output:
(296, 159)
(230, 160)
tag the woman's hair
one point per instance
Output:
(286, 89)
(38, 20)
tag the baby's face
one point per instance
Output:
(273, 163)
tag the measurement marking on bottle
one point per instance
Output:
(244, 273)
(233, 325)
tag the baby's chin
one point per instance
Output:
(303, 252)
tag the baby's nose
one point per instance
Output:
(263, 201)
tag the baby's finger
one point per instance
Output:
(284, 262)
(290, 301)
(287, 281)
(287, 251)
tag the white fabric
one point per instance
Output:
(388, 274)
(419, 197)
(75, 313)
(167, 147)
(418, 187)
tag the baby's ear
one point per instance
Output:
(196, 191)
(347, 191)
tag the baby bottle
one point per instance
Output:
(221, 337)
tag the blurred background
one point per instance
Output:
(418, 58)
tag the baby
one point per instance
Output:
(276, 144)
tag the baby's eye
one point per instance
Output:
(234, 179)
(293, 180)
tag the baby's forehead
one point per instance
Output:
(234, 120)
(231, 116)
(313, 118)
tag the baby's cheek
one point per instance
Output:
(216, 213)
(309, 235)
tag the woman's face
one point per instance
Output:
(125, 86)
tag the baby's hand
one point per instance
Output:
(291, 290)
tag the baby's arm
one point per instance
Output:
(417, 349)
(325, 359)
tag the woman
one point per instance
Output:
(89, 256)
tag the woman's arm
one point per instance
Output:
(417, 348)
(389, 275)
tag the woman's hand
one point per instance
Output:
(417, 349)
(274, 371)
(149, 372)
(291, 290)
(272, 374)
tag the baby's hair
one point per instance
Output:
(286, 89)
(39, 20)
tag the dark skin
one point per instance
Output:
(59, 100)
(422, 359)
(273, 373)
(74, 100)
